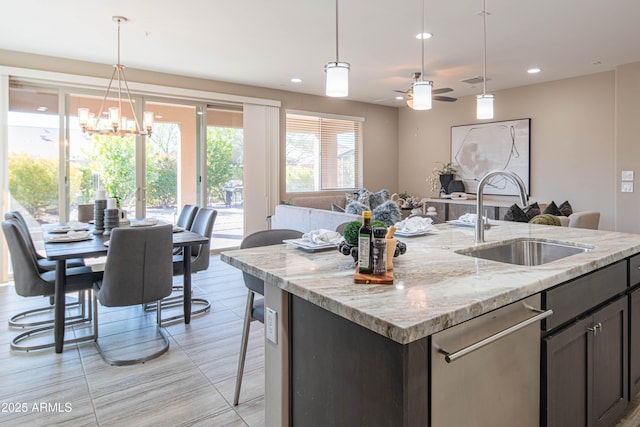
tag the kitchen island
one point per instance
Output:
(434, 288)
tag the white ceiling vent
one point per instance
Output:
(474, 80)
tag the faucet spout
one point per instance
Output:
(479, 200)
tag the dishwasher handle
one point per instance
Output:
(450, 357)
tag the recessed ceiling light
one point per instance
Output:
(399, 97)
(42, 108)
(296, 80)
(425, 36)
(533, 70)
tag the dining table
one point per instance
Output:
(94, 246)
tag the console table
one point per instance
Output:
(448, 209)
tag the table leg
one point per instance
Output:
(61, 279)
(186, 262)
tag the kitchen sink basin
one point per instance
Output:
(526, 251)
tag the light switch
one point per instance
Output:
(627, 176)
(271, 324)
(626, 187)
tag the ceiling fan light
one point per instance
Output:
(422, 95)
(484, 106)
(337, 79)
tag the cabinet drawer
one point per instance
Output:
(573, 298)
(634, 270)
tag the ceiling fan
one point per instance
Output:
(435, 93)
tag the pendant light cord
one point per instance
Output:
(337, 51)
(484, 24)
(422, 38)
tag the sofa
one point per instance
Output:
(306, 219)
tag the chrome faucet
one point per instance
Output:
(479, 203)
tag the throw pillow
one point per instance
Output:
(378, 198)
(532, 210)
(545, 219)
(565, 208)
(388, 212)
(515, 213)
(350, 197)
(356, 208)
(336, 208)
(364, 198)
(552, 209)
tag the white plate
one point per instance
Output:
(143, 222)
(65, 238)
(177, 229)
(309, 246)
(412, 233)
(63, 229)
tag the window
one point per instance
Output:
(323, 153)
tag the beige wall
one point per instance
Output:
(628, 145)
(380, 128)
(573, 146)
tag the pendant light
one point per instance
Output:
(337, 72)
(117, 124)
(422, 88)
(484, 106)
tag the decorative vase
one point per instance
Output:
(445, 179)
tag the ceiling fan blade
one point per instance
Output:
(445, 98)
(400, 91)
(441, 90)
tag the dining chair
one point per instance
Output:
(185, 221)
(187, 215)
(255, 306)
(19, 320)
(86, 212)
(137, 271)
(30, 281)
(202, 225)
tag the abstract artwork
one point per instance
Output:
(479, 148)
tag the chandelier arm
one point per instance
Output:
(133, 110)
(106, 95)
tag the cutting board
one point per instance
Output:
(373, 279)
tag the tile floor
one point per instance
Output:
(192, 384)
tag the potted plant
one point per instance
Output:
(441, 176)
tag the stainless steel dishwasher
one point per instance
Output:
(486, 371)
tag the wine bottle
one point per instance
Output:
(365, 238)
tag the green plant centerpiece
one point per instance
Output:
(444, 170)
(349, 246)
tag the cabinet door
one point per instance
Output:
(634, 344)
(566, 372)
(610, 394)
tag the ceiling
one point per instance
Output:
(267, 42)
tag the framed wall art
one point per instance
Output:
(482, 147)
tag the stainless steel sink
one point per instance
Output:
(526, 251)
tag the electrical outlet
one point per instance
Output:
(626, 187)
(271, 324)
(627, 175)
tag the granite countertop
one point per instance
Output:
(434, 287)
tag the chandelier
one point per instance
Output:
(116, 124)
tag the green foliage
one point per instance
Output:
(33, 182)
(220, 143)
(113, 159)
(162, 181)
(351, 232)
(299, 179)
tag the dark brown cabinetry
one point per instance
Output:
(585, 362)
